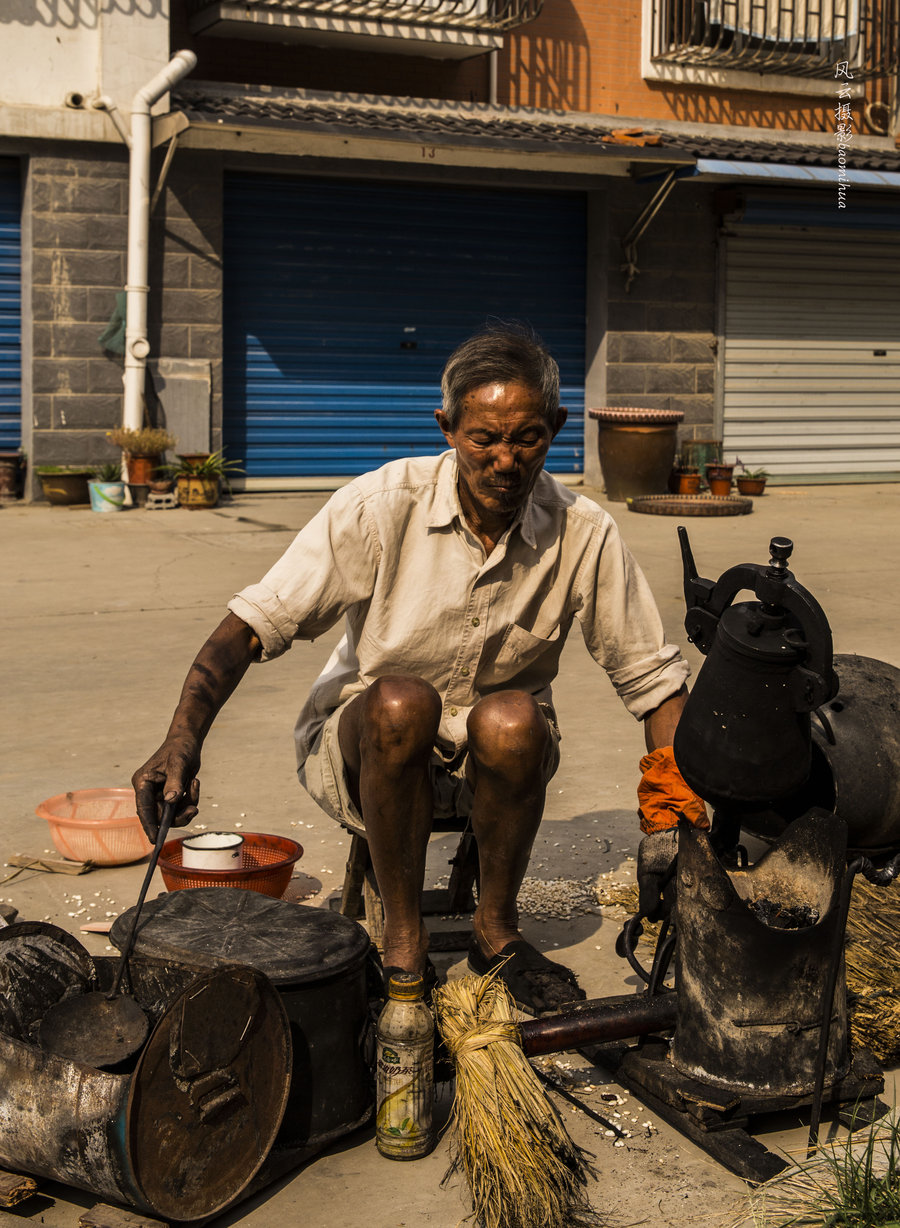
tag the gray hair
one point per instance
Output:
(501, 354)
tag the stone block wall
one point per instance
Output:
(661, 335)
(77, 202)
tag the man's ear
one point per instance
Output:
(561, 415)
(444, 423)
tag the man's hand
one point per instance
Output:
(168, 776)
(656, 874)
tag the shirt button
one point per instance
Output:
(465, 671)
(454, 711)
(476, 622)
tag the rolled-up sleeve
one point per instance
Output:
(622, 627)
(329, 567)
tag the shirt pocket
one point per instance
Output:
(519, 650)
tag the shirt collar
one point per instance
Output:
(446, 506)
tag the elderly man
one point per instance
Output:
(459, 577)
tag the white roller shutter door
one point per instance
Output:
(811, 386)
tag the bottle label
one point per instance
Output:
(405, 1076)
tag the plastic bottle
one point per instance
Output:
(405, 1071)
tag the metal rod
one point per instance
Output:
(164, 824)
(597, 1021)
(567, 1095)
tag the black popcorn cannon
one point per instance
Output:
(800, 749)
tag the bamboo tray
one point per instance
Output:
(690, 505)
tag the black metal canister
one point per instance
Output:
(317, 960)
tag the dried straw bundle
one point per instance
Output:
(873, 958)
(852, 1182)
(522, 1167)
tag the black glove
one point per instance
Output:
(656, 874)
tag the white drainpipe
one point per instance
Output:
(137, 347)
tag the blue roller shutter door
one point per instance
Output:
(344, 299)
(10, 305)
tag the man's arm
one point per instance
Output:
(659, 725)
(171, 773)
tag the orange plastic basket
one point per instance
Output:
(268, 866)
(99, 825)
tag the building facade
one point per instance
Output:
(696, 204)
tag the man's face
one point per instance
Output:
(501, 441)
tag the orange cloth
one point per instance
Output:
(664, 796)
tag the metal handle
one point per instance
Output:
(164, 824)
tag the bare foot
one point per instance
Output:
(492, 938)
(406, 951)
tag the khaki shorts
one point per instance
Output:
(324, 778)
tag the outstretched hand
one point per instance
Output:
(169, 775)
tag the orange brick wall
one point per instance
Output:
(581, 55)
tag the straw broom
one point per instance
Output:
(522, 1167)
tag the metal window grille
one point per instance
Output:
(804, 38)
(468, 14)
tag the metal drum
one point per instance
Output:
(317, 960)
(183, 1132)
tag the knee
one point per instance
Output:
(509, 734)
(402, 714)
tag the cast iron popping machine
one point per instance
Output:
(806, 758)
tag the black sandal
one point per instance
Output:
(537, 984)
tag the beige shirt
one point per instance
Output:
(391, 552)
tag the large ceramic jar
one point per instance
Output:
(637, 450)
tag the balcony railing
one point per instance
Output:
(804, 38)
(482, 15)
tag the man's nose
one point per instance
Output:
(504, 457)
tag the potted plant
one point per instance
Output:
(143, 449)
(718, 478)
(752, 481)
(684, 479)
(11, 464)
(107, 489)
(199, 479)
(65, 485)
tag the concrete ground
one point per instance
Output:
(101, 617)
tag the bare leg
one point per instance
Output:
(386, 737)
(509, 741)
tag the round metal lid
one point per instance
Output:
(635, 416)
(290, 943)
(208, 1095)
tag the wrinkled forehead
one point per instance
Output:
(501, 395)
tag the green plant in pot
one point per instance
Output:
(199, 478)
(107, 489)
(143, 449)
(718, 478)
(65, 485)
(751, 481)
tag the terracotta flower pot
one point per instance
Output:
(751, 486)
(689, 483)
(720, 487)
(141, 468)
(715, 469)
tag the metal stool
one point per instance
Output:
(361, 900)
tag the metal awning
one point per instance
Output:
(722, 168)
